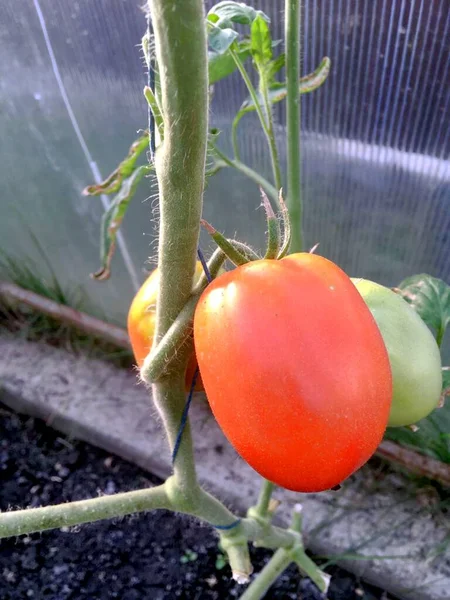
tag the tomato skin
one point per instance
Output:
(142, 321)
(295, 369)
(413, 352)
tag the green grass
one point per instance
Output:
(34, 326)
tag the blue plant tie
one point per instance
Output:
(184, 416)
(227, 527)
(204, 265)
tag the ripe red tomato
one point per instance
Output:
(142, 320)
(295, 369)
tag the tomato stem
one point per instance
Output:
(287, 230)
(262, 506)
(249, 172)
(293, 121)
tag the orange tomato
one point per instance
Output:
(295, 369)
(142, 320)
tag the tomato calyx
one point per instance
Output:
(277, 243)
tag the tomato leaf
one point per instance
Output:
(113, 182)
(261, 43)
(222, 65)
(225, 13)
(220, 40)
(430, 298)
(278, 91)
(112, 219)
(275, 66)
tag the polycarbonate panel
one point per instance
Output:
(375, 149)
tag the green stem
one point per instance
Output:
(234, 138)
(309, 568)
(294, 201)
(273, 569)
(180, 169)
(262, 506)
(160, 360)
(250, 173)
(269, 536)
(271, 133)
(18, 522)
(266, 122)
(251, 90)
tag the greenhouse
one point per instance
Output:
(225, 300)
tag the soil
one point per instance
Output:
(154, 556)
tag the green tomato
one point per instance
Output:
(413, 353)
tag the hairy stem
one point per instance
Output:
(266, 120)
(251, 90)
(180, 169)
(275, 160)
(30, 520)
(294, 200)
(250, 173)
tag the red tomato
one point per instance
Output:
(142, 321)
(295, 369)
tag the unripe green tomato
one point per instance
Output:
(413, 353)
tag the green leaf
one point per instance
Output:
(261, 43)
(430, 298)
(112, 219)
(278, 91)
(219, 39)
(225, 13)
(113, 182)
(275, 66)
(222, 65)
(445, 378)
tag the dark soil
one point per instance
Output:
(154, 556)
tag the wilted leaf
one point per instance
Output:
(112, 219)
(430, 298)
(112, 184)
(278, 91)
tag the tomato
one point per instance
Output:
(142, 320)
(295, 369)
(413, 353)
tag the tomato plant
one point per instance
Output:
(142, 320)
(295, 369)
(413, 353)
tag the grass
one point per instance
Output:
(34, 326)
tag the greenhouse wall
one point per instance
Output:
(375, 145)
